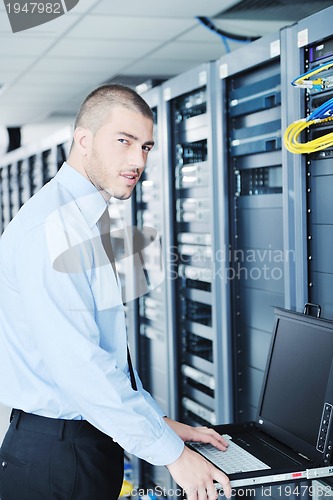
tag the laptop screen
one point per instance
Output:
(297, 375)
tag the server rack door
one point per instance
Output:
(251, 88)
(190, 259)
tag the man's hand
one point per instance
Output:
(196, 476)
(191, 471)
(201, 434)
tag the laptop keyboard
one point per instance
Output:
(234, 459)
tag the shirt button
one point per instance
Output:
(4, 464)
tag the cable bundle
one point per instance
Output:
(321, 115)
(303, 81)
(294, 130)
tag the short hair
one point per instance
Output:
(101, 100)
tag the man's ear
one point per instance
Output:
(83, 140)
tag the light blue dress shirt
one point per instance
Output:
(63, 346)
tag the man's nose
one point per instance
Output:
(137, 158)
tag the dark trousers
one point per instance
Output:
(50, 459)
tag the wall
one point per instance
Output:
(35, 132)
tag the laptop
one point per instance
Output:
(292, 438)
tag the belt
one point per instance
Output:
(58, 427)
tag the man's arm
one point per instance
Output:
(191, 471)
(79, 373)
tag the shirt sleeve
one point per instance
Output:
(59, 307)
(148, 396)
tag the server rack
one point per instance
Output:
(192, 287)
(315, 47)
(25, 170)
(308, 178)
(249, 106)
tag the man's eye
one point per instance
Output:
(123, 141)
(146, 148)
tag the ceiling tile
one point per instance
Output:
(170, 8)
(24, 98)
(83, 6)
(102, 48)
(6, 77)
(14, 117)
(193, 51)
(25, 46)
(83, 66)
(60, 83)
(5, 24)
(130, 28)
(154, 68)
(15, 63)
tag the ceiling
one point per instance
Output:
(46, 71)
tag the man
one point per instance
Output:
(63, 349)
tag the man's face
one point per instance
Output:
(118, 152)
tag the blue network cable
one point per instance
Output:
(224, 35)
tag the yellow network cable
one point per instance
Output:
(294, 130)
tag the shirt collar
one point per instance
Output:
(88, 199)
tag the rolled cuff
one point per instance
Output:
(165, 450)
